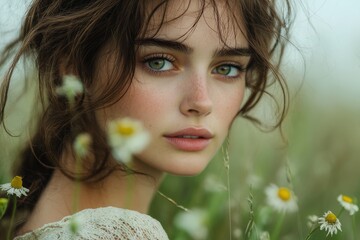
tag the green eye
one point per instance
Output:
(224, 70)
(156, 64)
(159, 64)
(227, 70)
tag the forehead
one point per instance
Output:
(179, 20)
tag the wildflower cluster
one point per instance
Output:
(283, 200)
(126, 137)
(330, 222)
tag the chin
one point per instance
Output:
(188, 167)
(179, 163)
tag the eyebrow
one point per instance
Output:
(181, 47)
(227, 52)
(158, 42)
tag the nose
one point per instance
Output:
(196, 100)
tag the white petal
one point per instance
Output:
(17, 192)
(5, 187)
(122, 155)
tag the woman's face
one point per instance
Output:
(186, 91)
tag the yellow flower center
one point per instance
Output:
(16, 182)
(125, 129)
(347, 199)
(284, 194)
(331, 218)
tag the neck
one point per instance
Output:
(133, 192)
(130, 191)
(63, 196)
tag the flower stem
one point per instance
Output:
(9, 233)
(226, 159)
(76, 197)
(130, 183)
(173, 201)
(311, 233)
(129, 190)
(354, 227)
(276, 232)
(340, 212)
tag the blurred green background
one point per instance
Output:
(320, 149)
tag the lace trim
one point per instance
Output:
(102, 223)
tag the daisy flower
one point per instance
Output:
(126, 137)
(348, 203)
(82, 144)
(70, 88)
(15, 187)
(281, 198)
(330, 223)
(3, 206)
(193, 222)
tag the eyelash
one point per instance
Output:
(237, 66)
(159, 56)
(171, 60)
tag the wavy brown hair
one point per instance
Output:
(70, 34)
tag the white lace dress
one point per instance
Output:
(102, 223)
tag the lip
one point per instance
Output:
(201, 137)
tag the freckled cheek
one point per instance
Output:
(229, 107)
(147, 105)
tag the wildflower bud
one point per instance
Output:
(82, 144)
(73, 226)
(70, 88)
(3, 206)
(312, 220)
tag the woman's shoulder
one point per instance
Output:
(101, 223)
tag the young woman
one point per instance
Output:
(180, 67)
